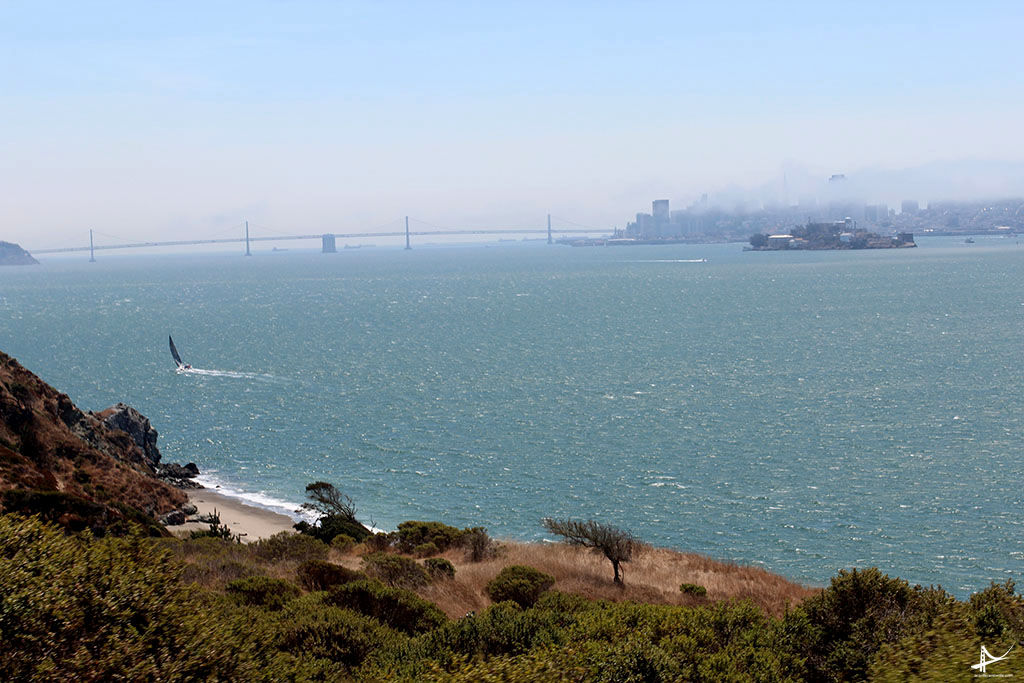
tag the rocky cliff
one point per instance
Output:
(65, 464)
(13, 255)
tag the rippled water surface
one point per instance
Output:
(803, 411)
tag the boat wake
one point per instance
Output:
(673, 260)
(229, 373)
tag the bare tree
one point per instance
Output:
(328, 501)
(615, 544)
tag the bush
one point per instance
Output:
(310, 629)
(478, 544)
(262, 591)
(502, 629)
(395, 570)
(80, 609)
(412, 534)
(319, 575)
(342, 543)
(288, 546)
(693, 589)
(997, 612)
(520, 584)
(439, 568)
(839, 630)
(64, 509)
(216, 530)
(378, 543)
(331, 526)
(394, 607)
(425, 550)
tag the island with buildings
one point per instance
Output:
(842, 234)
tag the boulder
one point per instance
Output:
(178, 475)
(137, 426)
(173, 518)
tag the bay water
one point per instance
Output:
(802, 411)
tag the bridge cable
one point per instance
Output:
(578, 225)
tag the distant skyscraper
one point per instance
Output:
(659, 209)
(909, 206)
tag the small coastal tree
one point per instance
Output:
(327, 500)
(336, 513)
(759, 240)
(615, 544)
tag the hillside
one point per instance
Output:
(13, 255)
(76, 467)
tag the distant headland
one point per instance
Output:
(13, 255)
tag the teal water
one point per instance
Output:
(801, 411)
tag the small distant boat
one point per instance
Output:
(182, 366)
(969, 240)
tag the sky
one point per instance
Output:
(159, 120)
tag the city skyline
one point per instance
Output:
(143, 119)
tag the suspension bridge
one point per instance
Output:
(328, 240)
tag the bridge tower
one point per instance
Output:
(549, 229)
(92, 253)
(407, 245)
(329, 246)
(247, 252)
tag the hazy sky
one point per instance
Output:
(159, 120)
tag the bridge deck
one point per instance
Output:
(285, 238)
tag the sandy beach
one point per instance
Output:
(250, 522)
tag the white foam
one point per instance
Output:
(260, 500)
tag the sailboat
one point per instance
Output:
(182, 366)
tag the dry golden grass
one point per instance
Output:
(653, 576)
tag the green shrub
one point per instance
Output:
(439, 568)
(997, 612)
(342, 543)
(395, 570)
(329, 527)
(319, 575)
(504, 628)
(520, 584)
(81, 609)
(839, 630)
(216, 530)
(313, 630)
(425, 550)
(412, 534)
(285, 546)
(394, 607)
(262, 591)
(693, 589)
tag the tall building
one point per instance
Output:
(659, 209)
(909, 206)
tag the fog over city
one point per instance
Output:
(151, 122)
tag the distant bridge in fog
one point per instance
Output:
(328, 240)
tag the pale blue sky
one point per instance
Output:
(140, 118)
